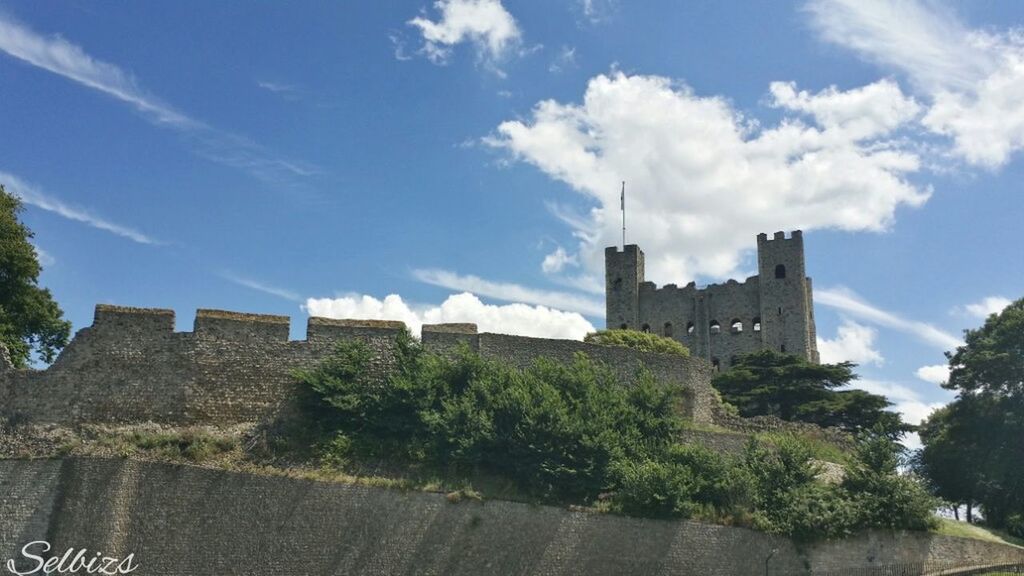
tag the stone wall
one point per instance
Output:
(192, 521)
(131, 366)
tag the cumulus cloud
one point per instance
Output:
(984, 307)
(852, 304)
(704, 180)
(853, 343)
(936, 373)
(511, 292)
(518, 319)
(485, 23)
(33, 196)
(57, 55)
(556, 261)
(973, 78)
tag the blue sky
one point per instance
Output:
(460, 160)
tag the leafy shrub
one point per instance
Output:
(569, 433)
(1015, 525)
(643, 341)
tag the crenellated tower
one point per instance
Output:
(773, 310)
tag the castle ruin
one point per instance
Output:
(771, 311)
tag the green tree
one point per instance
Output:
(977, 441)
(766, 383)
(643, 341)
(30, 319)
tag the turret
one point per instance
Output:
(624, 272)
(786, 308)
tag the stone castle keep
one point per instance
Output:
(773, 310)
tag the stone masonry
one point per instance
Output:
(773, 310)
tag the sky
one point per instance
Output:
(461, 160)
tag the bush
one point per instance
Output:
(553, 429)
(1015, 525)
(643, 341)
(568, 433)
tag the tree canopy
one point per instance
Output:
(767, 383)
(30, 319)
(973, 452)
(643, 341)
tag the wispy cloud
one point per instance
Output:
(261, 286)
(31, 195)
(511, 292)
(57, 55)
(484, 23)
(845, 300)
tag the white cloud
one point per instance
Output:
(565, 59)
(853, 343)
(556, 261)
(31, 195)
(906, 401)
(63, 58)
(984, 307)
(45, 258)
(847, 301)
(512, 292)
(261, 286)
(485, 23)
(936, 373)
(597, 10)
(518, 319)
(703, 181)
(974, 78)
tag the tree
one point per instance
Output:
(643, 341)
(30, 319)
(974, 448)
(766, 383)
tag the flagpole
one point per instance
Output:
(622, 200)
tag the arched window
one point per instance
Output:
(645, 328)
(715, 327)
(736, 326)
(668, 329)
(690, 328)
(623, 327)
(715, 364)
(780, 271)
(757, 323)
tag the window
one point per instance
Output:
(623, 327)
(736, 326)
(617, 285)
(757, 324)
(715, 364)
(780, 271)
(645, 328)
(690, 328)
(715, 327)
(783, 349)
(668, 329)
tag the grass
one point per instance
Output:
(949, 527)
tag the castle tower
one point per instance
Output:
(787, 310)
(623, 273)
(720, 322)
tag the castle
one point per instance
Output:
(773, 310)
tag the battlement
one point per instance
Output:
(794, 235)
(331, 329)
(627, 249)
(108, 317)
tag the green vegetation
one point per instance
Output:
(949, 527)
(30, 320)
(643, 341)
(770, 384)
(570, 434)
(973, 453)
